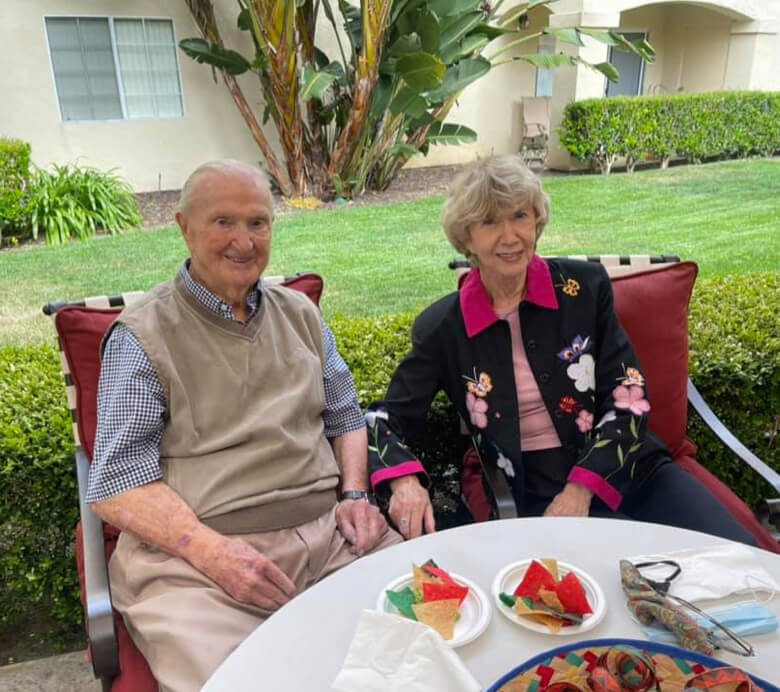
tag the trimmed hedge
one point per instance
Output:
(735, 357)
(14, 188)
(692, 126)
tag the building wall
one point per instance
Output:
(696, 46)
(150, 153)
(491, 106)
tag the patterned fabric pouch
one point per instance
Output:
(649, 605)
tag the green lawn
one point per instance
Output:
(384, 259)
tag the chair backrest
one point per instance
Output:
(536, 116)
(652, 295)
(81, 326)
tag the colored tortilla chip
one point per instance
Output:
(441, 592)
(572, 595)
(441, 615)
(536, 577)
(403, 601)
(435, 571)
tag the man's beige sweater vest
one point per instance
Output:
(244, 442)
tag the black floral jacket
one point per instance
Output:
(583, 363)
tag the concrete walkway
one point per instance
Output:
(66, 673)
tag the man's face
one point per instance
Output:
(227, 228)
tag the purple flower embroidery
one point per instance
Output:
(571, 353)
(631, 398)
(477, 409)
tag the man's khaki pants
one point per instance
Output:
(184, 624)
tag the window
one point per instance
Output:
(113, 68)
(545, 78)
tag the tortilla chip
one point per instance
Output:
(439, 573)
(402, 600)
(572, 595)
(552, 567)
(443, 592)
(550, 599)
(441, 615)
(552, 623)
(422, 577)
(524, 607)
(534, 578)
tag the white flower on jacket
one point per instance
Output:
(506, 465)
(583, 372)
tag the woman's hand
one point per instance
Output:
(410, 507)
(573, 501)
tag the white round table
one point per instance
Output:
(303, 645)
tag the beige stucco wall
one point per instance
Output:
(492, 106)
(151, 153)
(703, 46)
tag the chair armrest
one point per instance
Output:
(99, 612)
(503, 501)
(730, 440)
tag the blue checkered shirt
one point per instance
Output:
(132, 405)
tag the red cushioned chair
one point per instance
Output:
(651, 299)
(80, 328)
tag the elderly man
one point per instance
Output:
(227, 424)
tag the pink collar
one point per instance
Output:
(478, 313)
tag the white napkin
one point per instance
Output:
(390, 653)
(709, 573)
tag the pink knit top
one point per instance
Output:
(536, 427)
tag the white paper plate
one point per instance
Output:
(474, 611)
(511, 575)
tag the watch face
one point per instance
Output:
(357, 495)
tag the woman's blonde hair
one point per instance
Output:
(486, 188)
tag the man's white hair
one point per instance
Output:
(220, 166)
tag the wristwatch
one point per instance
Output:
(357, 495)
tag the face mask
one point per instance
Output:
(714, 572)
(750, 617)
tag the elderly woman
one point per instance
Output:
(532, 356)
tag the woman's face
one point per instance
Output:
(502, 247)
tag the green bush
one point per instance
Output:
(691, 126)
(735, 357)
(38, 496)
(14, 188)
(73, 202)
(735, 364)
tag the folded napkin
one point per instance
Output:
(710, 573)
(390, 653)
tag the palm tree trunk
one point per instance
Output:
(202, 12)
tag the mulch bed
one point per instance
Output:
(158, 208)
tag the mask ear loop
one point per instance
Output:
(759, 586)
(662, 587)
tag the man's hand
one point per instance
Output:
(361, 523)
(246, 574)
(410, 507)
(157, 515)
(573, 501)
